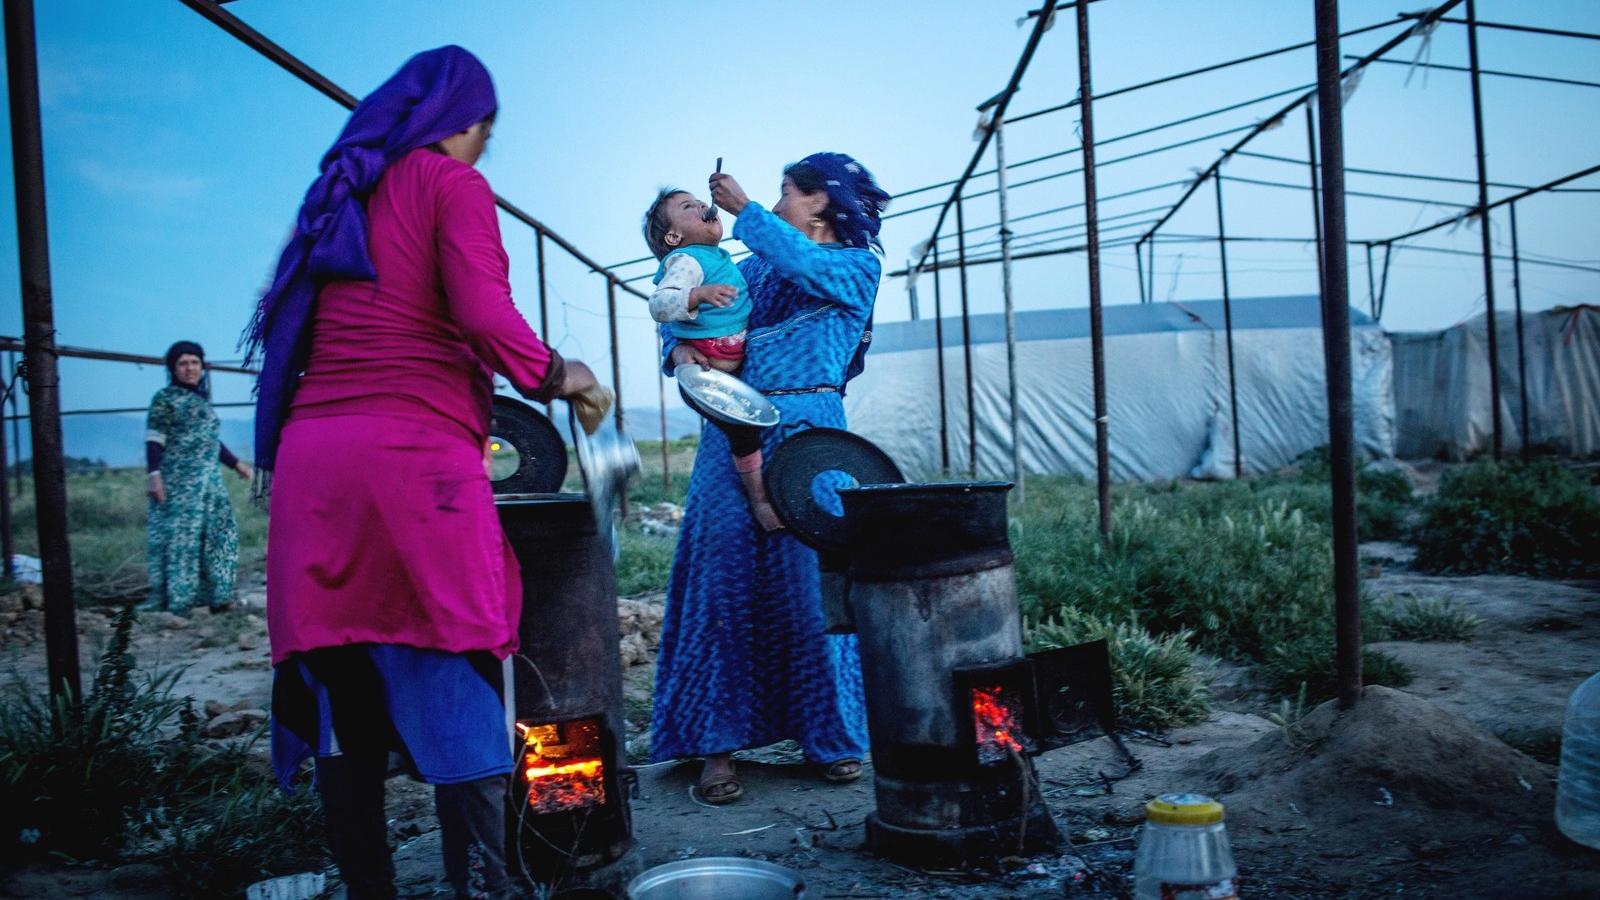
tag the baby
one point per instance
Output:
(699, 291)
(703, 300)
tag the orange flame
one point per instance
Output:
(557, 781)
(995, 717)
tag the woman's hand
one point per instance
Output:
(726, 193)
(579, 378)
(712, 295)
(683, 355)
(158, 491)
(244, 470)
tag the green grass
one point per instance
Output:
(1242, 570)
(106, 513)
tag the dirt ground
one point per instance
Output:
(1414, 793)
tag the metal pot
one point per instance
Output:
(717, 878)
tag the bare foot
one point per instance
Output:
(755, 491)
(766, 517)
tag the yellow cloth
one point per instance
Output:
(591, 406)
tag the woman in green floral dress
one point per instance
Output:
(194, 540)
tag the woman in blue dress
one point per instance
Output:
(744, 660)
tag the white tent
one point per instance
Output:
(1442, 385)
(1166, 390)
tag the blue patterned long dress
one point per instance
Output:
(744, 661)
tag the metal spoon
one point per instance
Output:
(711, 209)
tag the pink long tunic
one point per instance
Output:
(383, 527)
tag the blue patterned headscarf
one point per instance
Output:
(437, 93)
(855, 208)
(855, 202)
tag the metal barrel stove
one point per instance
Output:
(951, 699)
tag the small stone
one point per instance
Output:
(165, 621)
(249, 641)
(237, 722)
(8, 617)
(1517, 839)
(139, 877)
(32, 596)
(1433, 848)
(1093, 835)
(11, 603)
(1132, 815)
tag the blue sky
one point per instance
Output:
(176, 157)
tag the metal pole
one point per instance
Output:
(1091, 210)
(1227, 327)
(1316, 193)
(1383, 281)
(998, 126)
(661, 389)
(1336, 356)
(1483, 212)
(544, 306)
(16, 417)
(938, 352)
(966, 340)
(616, 365)
(1522, 355)
(1150, 260)
(39, 331)
(1372, 288)
(1138, 265)
(6, 548)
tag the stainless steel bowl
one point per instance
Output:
(725, 397)
(717, 878)
(608, 461)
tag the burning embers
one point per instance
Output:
(562, 766)
(997, 719)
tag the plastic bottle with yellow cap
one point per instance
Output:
(1183, 852)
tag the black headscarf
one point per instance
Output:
(191, 348)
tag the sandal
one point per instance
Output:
(719, 789)
(843, 771)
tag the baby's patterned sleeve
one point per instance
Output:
(670, 302)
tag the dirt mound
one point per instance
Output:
(1399, 783)
(1391, 750)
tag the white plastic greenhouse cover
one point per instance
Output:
(1166, 390)
(1442, 385)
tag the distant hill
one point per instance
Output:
(118, 439)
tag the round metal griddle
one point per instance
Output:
(542, 455)
(792, 472)
(721, 396)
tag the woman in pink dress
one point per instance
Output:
(392, 594)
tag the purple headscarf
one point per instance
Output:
(437, 93)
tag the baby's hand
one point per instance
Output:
(712, 295)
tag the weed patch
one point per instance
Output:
(123, 776)
(1531, 517)
(1407, 617)
(1155, 682)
